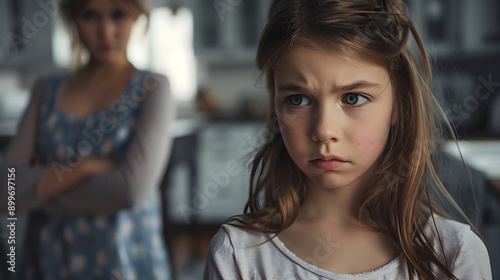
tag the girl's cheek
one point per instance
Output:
(280, 117)
(292, 128)
(370, 141)
(284, 115)
(294, 123)
(285, 123)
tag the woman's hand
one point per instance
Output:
(53, 184)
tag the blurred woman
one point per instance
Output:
(91, 148)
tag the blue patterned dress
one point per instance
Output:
(125, 245)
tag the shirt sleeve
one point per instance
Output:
(19, 155)
(221, 259)
(472, 260)
(141, 168)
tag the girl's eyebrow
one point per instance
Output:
(356, 85)
(290, 87)
(350, 87)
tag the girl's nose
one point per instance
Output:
(326, 125)
(106, 29)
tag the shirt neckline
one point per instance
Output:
(390, 266)
(102, 113)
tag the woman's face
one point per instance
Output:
(334, 113)
(104, 27)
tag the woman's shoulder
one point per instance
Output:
(150, 78)
(45, 83)
(53, 75)
(152, 86)
(49, 77)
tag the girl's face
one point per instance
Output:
(334, 113)
(104, 27)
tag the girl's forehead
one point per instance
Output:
(326, 49)
(328, 62)
(317, 70)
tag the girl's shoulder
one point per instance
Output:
(464, 250)
(239, 237)
(231, 237)
(456, 237)
(451, 228)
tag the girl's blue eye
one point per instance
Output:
(88, 15)
(298, 100)
(118, 14)
(354, 99)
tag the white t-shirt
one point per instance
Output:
(230, 256)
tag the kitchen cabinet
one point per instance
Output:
(226, 32)
(5, 20)
(457, 28)
(462, 39)
(27, 28)
(209, 181)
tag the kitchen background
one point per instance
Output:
(207, 49)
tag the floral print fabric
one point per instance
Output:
(125, 245)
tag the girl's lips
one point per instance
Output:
(332, 164)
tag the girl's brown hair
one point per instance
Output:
(398, 203)
(71, 8)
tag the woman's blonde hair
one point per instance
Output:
(398, 203)
(71, 8)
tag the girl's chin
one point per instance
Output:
(331, 183)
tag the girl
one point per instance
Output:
(90, 151)
(342, 184)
